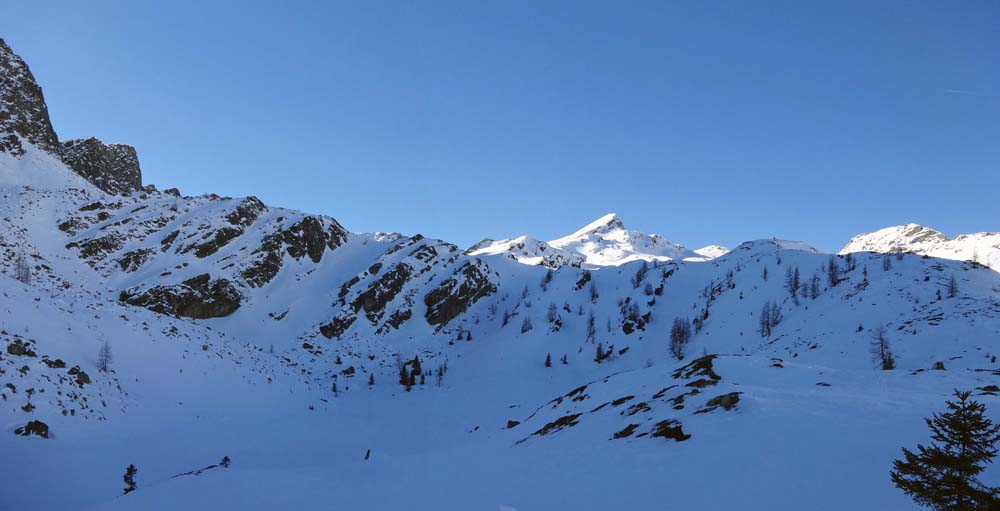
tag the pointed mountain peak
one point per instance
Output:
(605, 224)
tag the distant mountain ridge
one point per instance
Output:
(981, 247)
(603, 242)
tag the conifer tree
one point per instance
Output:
(943, 476)
(591, 329)
(793, 282)
(22, 270)
(833, 272)
(548, 360)
(129, 478)
(104, 357)
(680, 334)
(770, 316)
(404, 378)
(881, 351)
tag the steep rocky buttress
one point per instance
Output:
(24, 117)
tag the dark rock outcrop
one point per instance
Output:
(114, 168)
(305, 237)
(215, 241)
(131, 261)
(726, 401)
(81, 377)
(24, 117)
(247, 212)
(37, 428)
(198, 297)
(670, 429)
(337, 326)
(382, 291)
(97, 249)
(55, 364)
(19, 348)
(241, 217)
(457, 293)
(23, 113)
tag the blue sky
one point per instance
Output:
(706, 122)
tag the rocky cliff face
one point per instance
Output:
(23, 114)
(24, 118)
(113, 168)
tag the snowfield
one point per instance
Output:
(266, 358)
(786, 421)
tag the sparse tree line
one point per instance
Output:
(771, 314)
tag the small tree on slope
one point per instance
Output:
(104, 357)
(680, 334)
(129, 478)
(833, 272)
(22, 271)
(881, 351)
(943, 476)
(792, 283)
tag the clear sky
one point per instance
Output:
(706, 122)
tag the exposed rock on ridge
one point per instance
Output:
(113, 168)
(24, 117)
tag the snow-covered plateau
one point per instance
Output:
(343, 370)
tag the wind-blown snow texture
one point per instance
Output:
(277, 338)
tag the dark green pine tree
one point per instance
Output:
(129, 478)
(943, 476)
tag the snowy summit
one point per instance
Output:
(603, 242)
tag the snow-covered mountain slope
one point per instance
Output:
(712, 251)
(981, 247)
(603, 242)
(37, 169)
(526, 250)
(380, 370)
(606, 242)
